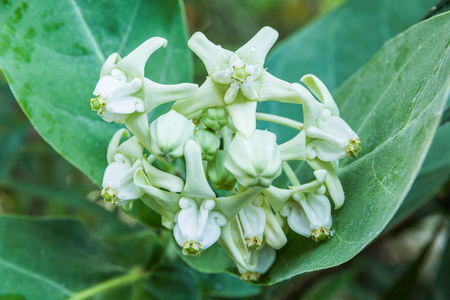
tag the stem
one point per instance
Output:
(133, 276)
(279, 120)
(290, 174)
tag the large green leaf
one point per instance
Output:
(51, 54)
(57, 258)
(394, 103)
(337, 45)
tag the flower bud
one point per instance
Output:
(255, 161)
(168, 135)
(220, 177)
(208, 141)
(215, 118)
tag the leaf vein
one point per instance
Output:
(36, 276)
(89, 34)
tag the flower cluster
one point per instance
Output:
(224, 190)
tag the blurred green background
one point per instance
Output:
(409, 261)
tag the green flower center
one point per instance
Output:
(240, 74)
(192, 248)
(253, 243)
(250, 276)
(109, 194)
(353, 147)
(320, 234)
(98, 104)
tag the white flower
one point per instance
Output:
(123, 90)
(253, 221)
(257, 263)
(114, 99)
(240, 76)
(255, 161)
(309, 215)
(124, 161)
(118, 185)
(197, 225)
(251, 263)
(328, 136)
(230, 73)
(197, 228)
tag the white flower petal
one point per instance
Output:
(114, 144)
(253, 220)
(273, 231)
(134, 63)
(125, 105)
(110, 64)
(320, 91)
(156, 94)
(231, 205)
(236, 62)
(215, 58)
(255, 50)
(167, 200)
(196, 183)
(223, 77)
(248, 90)
(296, 218)
(294, 149)
(243, 115)
(231, 94)
(270, 87)
(311, 107)
(208, 95)
(161, 179)
(332, 181)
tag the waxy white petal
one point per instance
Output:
(270, 87)
(231, 94)
(243, 115)
(332, 181)
(156, 94)
(114, 144)
(321, 92)
(110, 64)
(208, 95)
(223, 77)
(134, 63)
(196, 184)
(296, 218)
(254, 52)
(214, 57)
(248, 90)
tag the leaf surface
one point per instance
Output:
(51, 54)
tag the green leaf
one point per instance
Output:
(394, 103)
(433, 176)
(57, 258)
(52, 52)
(337, 45)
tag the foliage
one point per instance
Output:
(51, 53)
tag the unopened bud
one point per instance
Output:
(208, 141)
(215, 117)
(221, 178)
(168, 135)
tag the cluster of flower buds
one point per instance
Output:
(223, 190)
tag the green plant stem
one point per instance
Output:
(290, 174)
(133, 276)
(279, 120)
